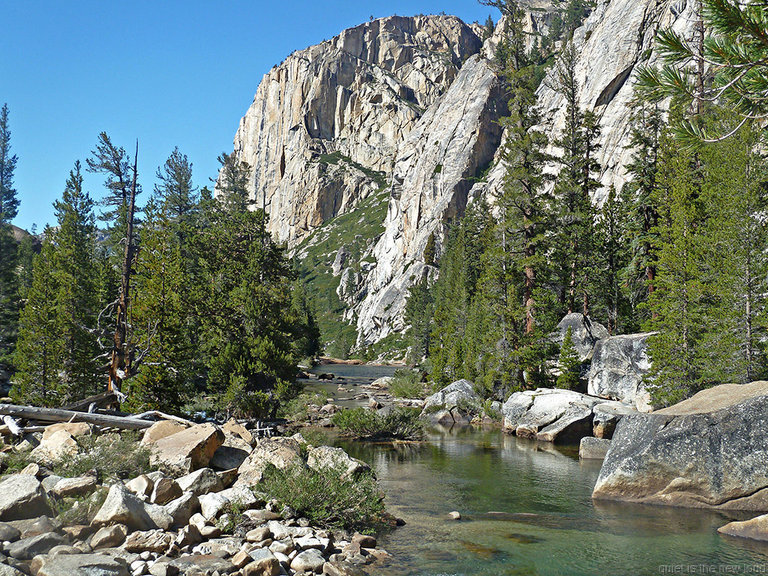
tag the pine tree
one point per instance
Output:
(683, 281)
(9, 204)
(568, 363)
(58, 349)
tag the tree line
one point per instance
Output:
(680, 250)
(186, 296)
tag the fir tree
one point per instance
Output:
(9, 204)
(568, 363)
(58, 351)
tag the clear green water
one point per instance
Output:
(527, 510)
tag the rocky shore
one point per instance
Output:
(201, 513)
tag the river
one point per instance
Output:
(526, 509)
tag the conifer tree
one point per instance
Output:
(58, 351)
(569, 363)
(9, 204)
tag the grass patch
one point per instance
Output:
(230, 518)
(297, 408)
(13, 462)
(398, 424)
(406, 384)
(328, 499)
(118, 456)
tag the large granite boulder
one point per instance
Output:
(710, 451)
(584, 332)
(123, 507)
(607, 415)
(459, 394)
(86, 564)
(549, 415)
(282, 453)
(22, 496)
(325, 457)
(619, 364)
(187, 450)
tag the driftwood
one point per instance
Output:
(58, 415)
(103, 400)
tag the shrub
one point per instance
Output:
(111, 455)
(296, 409)
(569, 363)
(327, 498)
(398, 424)
(80, 510)
(406, 384)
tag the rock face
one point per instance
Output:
(709, 451)
(330, 117)
(452, 144)
(618, 366)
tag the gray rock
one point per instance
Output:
(165, 490)
(618, 366)
(340, 262)
(241, 496)
(6, 570)
(141, 486)
(584, 332)
(325, 457)
(75, 486)
(709, 451)
(28, 548)
(200, 482)
(212, 504)
(22, 496)
(309, 561)
(606, 416)
(754, 529)
(85, 564)
(549, 415)
(202, 565)
(460, 394)
(264, 562)
(8, 533)
(123, 507)
(109, 537)
(187, 450)
(228, 457)
(182, 508)
(282, 453)
(150, 541)
(593, 448)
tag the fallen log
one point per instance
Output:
(59, 415)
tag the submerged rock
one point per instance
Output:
(710, 451)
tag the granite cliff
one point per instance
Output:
(404, 111)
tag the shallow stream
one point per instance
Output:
(526, 509)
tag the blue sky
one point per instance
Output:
(170, 73)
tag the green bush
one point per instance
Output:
(406, 384)
(296, 409)
(80, 510)
(111, 455)
(398, 424)
(327, 498)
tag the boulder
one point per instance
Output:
(263, 563)
(324, 457)
(460, 394)
(212, 504)
(593, 448)
(282, 453)
(6, 570)
(619, 364)
(549, 415)
(141, 486)
(109, 537)
(233, 428)
(165, 490)
(607, 415)
(79, 486)
(28, 548)
(75, 429)
(202, 565)
(754, 529)
(58, 445)
(161, 429)
(148, 541)
(200, 482)
(9, 533)
(231, 454)
(182, 508)
(584, 332)
(710, 451)
(86, 564)
(123, 507)
(241, 496)
(308, 561)
(189, 449)
(22, 496)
